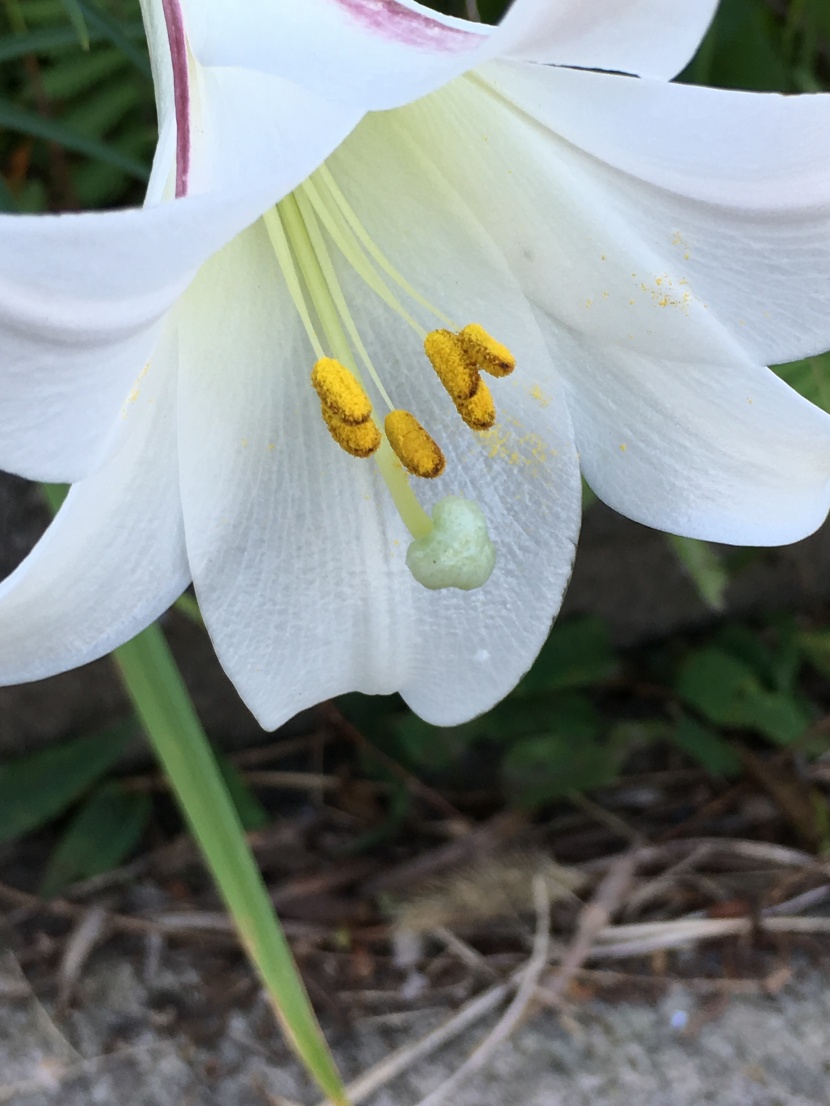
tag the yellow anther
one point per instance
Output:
(416, 450)
(455, 370)
(341, 392)
(360, 439)
(479, 412)
(485, 352)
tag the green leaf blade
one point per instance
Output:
(100, 836)
(38, 786)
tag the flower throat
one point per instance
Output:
(452, 548)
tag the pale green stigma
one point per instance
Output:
(457, 552)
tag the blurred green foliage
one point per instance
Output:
(104, 829)
(765, 46)
(579, 715)
(77, 117)
(37, 787)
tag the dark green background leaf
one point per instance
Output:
(102, 833)
(36, 787)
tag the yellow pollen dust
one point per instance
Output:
(340, 392)
(454, 368)
(359, 439)
(485, 352)
(414, 447)
(479, 412)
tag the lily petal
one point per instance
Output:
(302, 579)
(372, 54)
(725, 450)
(114, 559)
(155, 29)
(81, 303)
(726, 453)
(162, 175)
(731, 188)
(253, 129)
(574, 253)
(651, 38)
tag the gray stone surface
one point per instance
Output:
(139, 1040)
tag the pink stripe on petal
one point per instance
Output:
(391, 20)
(181, 91)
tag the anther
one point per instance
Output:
(455, 370)
(485, 352)
(359, 439)
(341, 392)
(479, 412)
(417, 451)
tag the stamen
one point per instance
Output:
(485, 352)
(332, 219)
(340, 391)
(417, 450)
(315, 280)
(334, 290)
(454, 368)
(327, 178)
(360, 440)
(479, 412)
(282, 251)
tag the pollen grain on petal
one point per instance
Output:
(485, 352)
(479, 412)
(341, 392)
(414, 447)
(454, 368)
(359, 439)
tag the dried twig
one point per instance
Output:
(65, 909)
(403, 1058)
(436, 800)
(82, 941)
(514, 1013)
(465, 953)
(277, 750)
(717, 848)
(770, 984)
(607, 818)
(653, 888)
(593, 919)
(646, 937)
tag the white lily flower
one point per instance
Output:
(641, 249)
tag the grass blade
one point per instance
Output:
(76, 18)
(164, 707)
(118, 33)
(28, 122)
